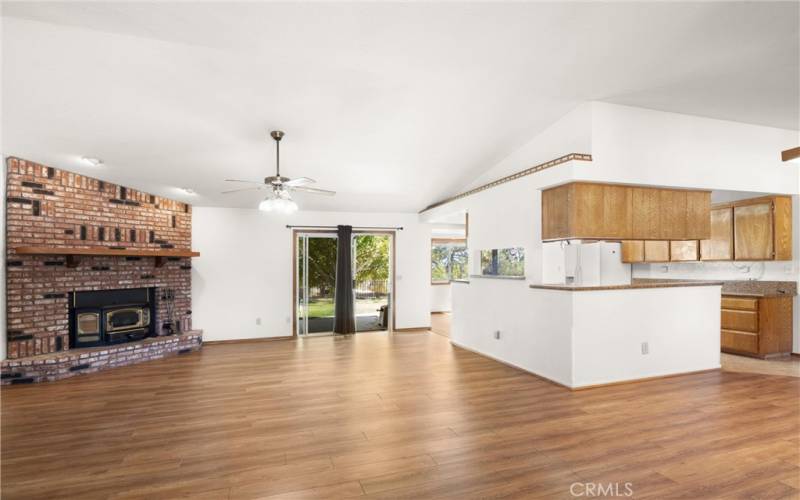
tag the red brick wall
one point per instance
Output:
(51, 207)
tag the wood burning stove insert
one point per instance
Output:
(104, 317)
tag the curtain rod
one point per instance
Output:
(398, 228)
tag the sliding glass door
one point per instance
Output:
(315, 273)
(316, 282)
(372, 260)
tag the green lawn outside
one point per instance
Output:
(323, 308)
(320, 308)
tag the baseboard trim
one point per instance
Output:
(511, 365)
(412, 329)
(247, 341)
(645, 379)
(584, 387)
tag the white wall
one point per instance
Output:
(244, 271)
(535, 325)
(572, 133)
(587, 338)
(642, 146)
(608, 333)
(441, 297)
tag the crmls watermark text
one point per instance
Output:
(601, 489)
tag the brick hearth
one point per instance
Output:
(59, 365)
(49, 207)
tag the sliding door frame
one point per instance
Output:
(296, 232)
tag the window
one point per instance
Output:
(503, 262)
(448, 260)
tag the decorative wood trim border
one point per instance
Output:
(790, 154)
(513, 177)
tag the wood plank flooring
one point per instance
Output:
(380, 415)
(440, 323)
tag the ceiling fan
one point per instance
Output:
(279, 198)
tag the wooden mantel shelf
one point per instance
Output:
(74, 254)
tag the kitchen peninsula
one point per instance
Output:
(580, 337)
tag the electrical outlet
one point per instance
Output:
(258, 321)
(645, 348)
(497, 335)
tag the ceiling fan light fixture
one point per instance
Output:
(280, 202)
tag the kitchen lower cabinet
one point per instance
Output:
(756, 326)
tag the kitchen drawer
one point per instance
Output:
(745, 303)
(743, 321)
(739, 341)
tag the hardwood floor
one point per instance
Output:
(784, 365)
(380, 415)
(440, 323)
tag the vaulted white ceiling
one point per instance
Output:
(393, 105)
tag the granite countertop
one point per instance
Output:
(636, 284)
(749, 288)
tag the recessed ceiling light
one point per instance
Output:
(95, 162)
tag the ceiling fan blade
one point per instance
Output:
(300, 181)
(256, 188)
(312, 190)
(247, 182)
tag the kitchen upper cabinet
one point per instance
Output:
(587, 201)
(617, 211)
(698, 214)
(608, 211)
(720, 245)
(656, 251)
(633, 251)
(762, 229)
(555, 211)
(753, 232)
(646, 221)
(684, 251)
(754, 229)
(672, 213)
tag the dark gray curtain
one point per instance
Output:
(344, 312)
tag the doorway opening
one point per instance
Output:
(315, 281)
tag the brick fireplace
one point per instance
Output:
(54, 209)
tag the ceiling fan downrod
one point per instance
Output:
(277, 135)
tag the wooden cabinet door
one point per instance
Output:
(720, 245)
(739, 341)
(783, 227)
(555, 212)
(588, 203)
(683, 250)
(698, 216)
(617, 212)
(656, 251)
(672, 209)
(645, 218)
(633, 251)
(753, 233)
